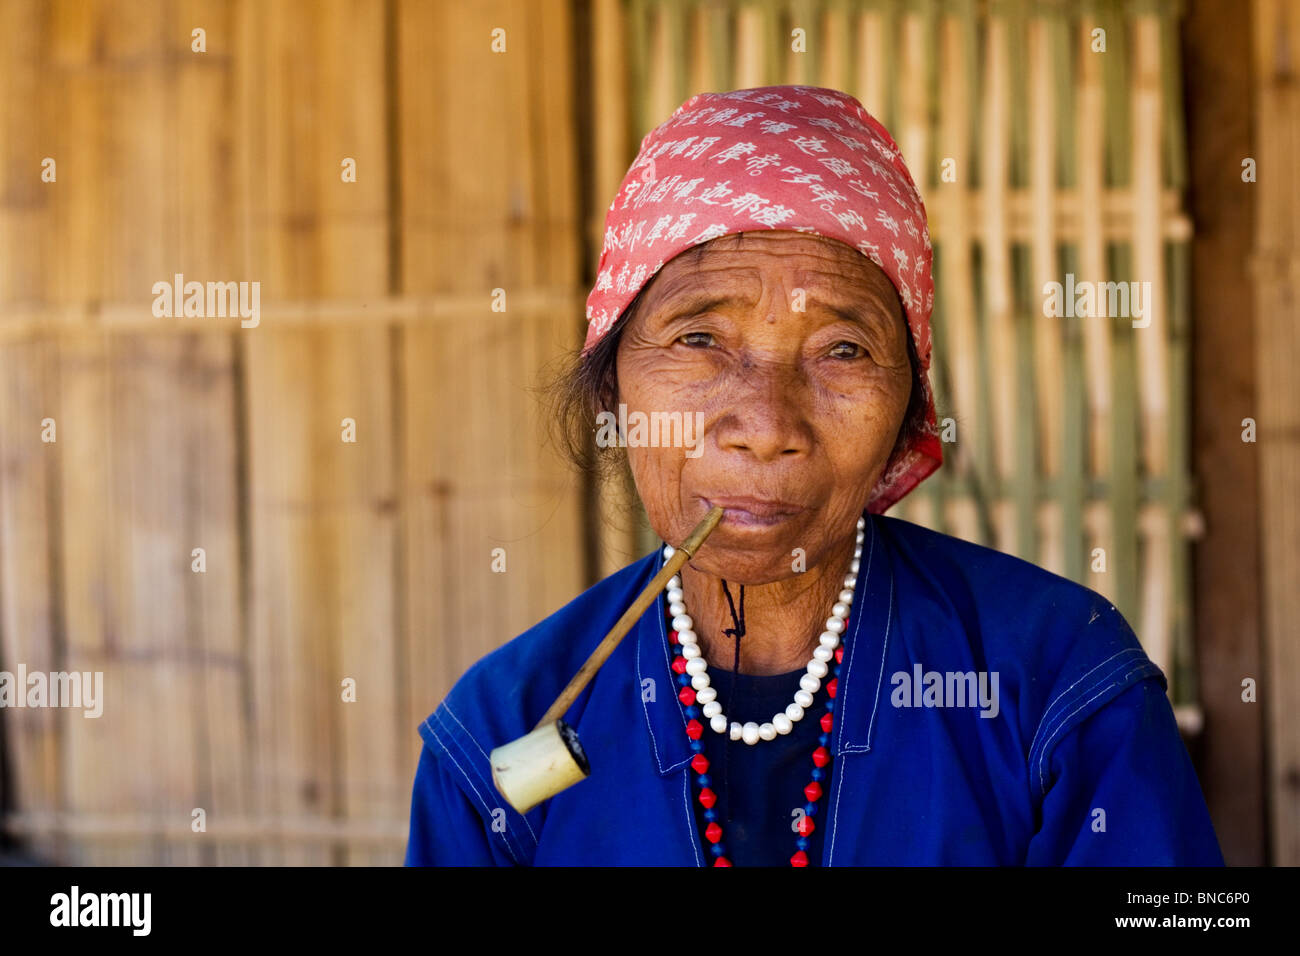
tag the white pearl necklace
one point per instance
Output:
(809, 683)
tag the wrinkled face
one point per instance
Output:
(793, 349)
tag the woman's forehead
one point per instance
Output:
(747, 262)
(777, 242)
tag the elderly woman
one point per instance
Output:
(821, 684)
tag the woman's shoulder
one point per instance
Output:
(1060, 648)
(980, 582)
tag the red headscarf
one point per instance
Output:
(800, 158)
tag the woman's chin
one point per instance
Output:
(747, 569)
(752, 555)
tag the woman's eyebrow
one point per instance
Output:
(849, 315)
(690, 303)
(860, 314)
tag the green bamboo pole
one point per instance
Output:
(777, 43)
(1013, 11)
(1072, 486)
(638, 37)
(974, 67)
(1071, 489)
(1024, 479)
(892, 31)
(1179, 494)
(842, 41)
(1115, 79)
(987, 489)
(1171, 75)
(980, 482)
(1178, 255)
(1122, 563)
(722, 29)
(929, 175)
(804, 14)
(1063, 55)
(673, 21)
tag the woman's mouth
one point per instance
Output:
(753, 512)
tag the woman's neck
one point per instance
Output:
(783, 620)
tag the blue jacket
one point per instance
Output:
(1081, 763)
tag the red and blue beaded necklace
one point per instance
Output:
(692, 674)
(705, 793)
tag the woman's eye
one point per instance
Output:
(702, 339)
(847, 350)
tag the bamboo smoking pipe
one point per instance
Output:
(550, 758)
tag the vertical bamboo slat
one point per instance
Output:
(1071, 487)
(1071, 490)
(1020, 484)
(1049, 371)
(1092, 247)
(1122, 515)
(799, 67)
(912, 131)
(1023, 484)
(1000, 324)
(870, 61)
(751, 47)
(1121, 519)
(611, 128)
(666, 60)
(1096, 332)
(1148, 241)
(214, 607)
(913, 135)
(1183, 521)
(700, 65)
(1151, 340)
(837, 58)
(956, 324)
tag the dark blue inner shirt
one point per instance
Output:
(760, 786)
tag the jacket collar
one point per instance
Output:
(861, 672)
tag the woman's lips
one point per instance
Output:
(753, 512)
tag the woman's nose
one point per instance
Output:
(766, 417)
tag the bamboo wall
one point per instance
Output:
(1070, 433)
(325, 560)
